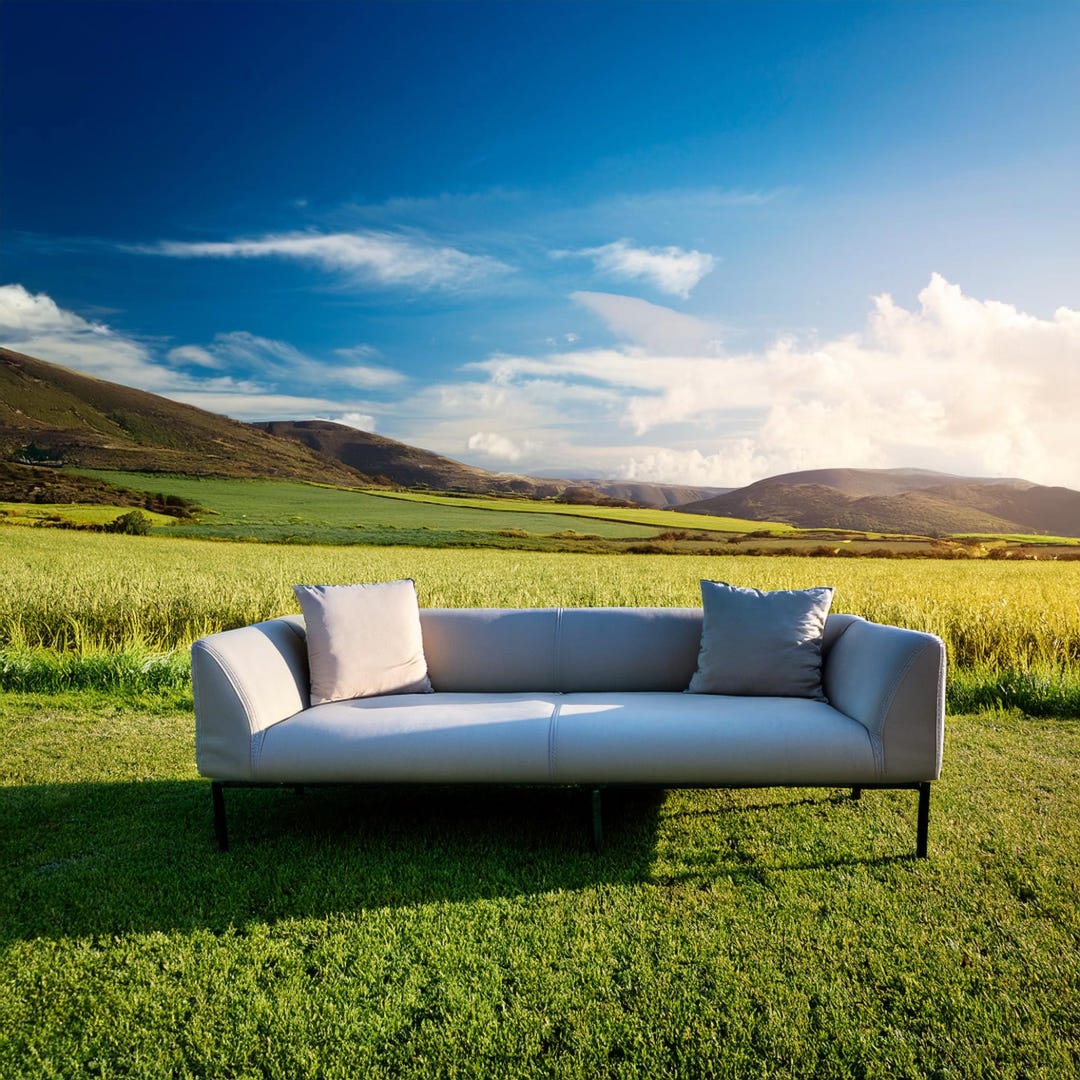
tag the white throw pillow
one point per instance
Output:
(363, 640)
(761, 643)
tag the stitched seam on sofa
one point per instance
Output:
(883, 715)
(245, 701)
(879, 754)
(553, 741)
(556, 659)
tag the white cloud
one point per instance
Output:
(736, 465)
(657, 329)
(360, 421)
(260, 405)
(957, 384)
(34, 324)
(367, 257)
(493, 445)
(26, 313)
(279, 362)
(670, 269)
(195, 356)
(239, 374)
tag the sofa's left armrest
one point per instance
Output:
(893, 682)
(243, 681)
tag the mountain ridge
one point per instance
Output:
(912, 501)
(52, 415)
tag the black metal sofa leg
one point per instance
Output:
(924, 820)
(221, 828)
(597, 822)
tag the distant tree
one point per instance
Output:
(133, 523)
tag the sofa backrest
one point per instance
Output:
(568, 650)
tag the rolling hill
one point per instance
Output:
(394, 463)
(52, 415)
(659, 496)
(912, 501)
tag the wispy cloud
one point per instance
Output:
(653, 327)
(364, 257)
(279, 362)
(672, 270)
(238, 373)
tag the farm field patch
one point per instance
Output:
(661, 519)
(279, 510)
(70, 513)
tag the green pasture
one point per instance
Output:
(660, 519)
(283, 510)
(385, 933)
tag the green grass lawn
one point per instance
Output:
(387, 933)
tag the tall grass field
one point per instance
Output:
(77, 606)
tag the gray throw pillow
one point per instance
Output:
(363, 640)
(761, 643)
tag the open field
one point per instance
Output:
(661, 519)
(1006, 625)
(281, 510)
(398, 933)
(293, 512)
(75, 513)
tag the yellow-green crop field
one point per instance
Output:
(638, 515)
(74, 513)
(87, 592)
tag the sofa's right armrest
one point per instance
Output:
(243, 681)
(893, 682)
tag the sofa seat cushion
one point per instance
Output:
(648, 738)
(708, 739)
(441, 738)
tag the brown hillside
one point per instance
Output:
(81, 420)
(935, 503)
(399, 463)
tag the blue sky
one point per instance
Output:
(688, 242)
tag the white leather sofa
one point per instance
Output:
(587, 696)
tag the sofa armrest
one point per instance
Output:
(243, 681)
(893, 682)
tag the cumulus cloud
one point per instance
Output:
(738, 463)
(956, 383)
(364, 258)
(492, 445)
(672, 270)
(360, 421)
(35, 324)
